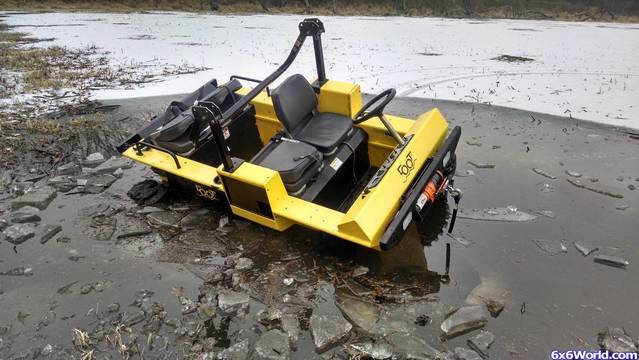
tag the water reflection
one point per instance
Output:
(408, 262)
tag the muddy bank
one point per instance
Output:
(559, 184)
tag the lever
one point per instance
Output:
(391, 130)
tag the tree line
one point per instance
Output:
(579, 9)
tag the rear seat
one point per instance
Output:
(179, 131)
(297, 162)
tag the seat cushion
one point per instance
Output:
(325, 131)
(294, 101)
(296, 162)
(176, 128)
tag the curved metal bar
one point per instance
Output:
(308, 27)
(238, 106)
(239, 77)
(138, 149)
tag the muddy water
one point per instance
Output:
(552, 301)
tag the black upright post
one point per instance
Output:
(319, 59)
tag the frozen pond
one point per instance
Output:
(584, 70)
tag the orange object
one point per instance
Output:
(433, 186)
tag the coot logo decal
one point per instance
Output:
(407, 166)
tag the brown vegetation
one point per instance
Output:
(607, 10)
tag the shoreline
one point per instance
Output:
(577, 122)
(488, 16)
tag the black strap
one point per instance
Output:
(454, 216)
(353, 151)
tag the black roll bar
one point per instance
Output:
(308, 27)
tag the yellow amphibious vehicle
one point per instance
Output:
(305, 154)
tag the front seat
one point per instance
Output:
(295, 104)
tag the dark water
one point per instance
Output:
(552, 302)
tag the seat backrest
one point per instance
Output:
(294, 101)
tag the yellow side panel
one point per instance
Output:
(316, 217)
(191, 170)
(264, 178)
(369, 215)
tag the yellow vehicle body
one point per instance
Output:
(368, 216)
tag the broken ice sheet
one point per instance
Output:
(409, 346)
(376, 350)
(509, 213)
(462, 240)
(551, 247)
(464, 173)
(585, 249)
(546, 188)
(480, 165)
(362, 314)
(547, 213)
(616, 340)
(481, 342)
(543, 173)
(466, 354)
(465, 319)
(612, 260)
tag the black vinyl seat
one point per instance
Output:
(180, 131)
(297, 162)
(295, 104)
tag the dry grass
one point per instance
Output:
(41, 126)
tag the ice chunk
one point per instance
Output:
(585, 249)
(376, 350)
(480, 165)
(112, 165)
(238, 351)
(93, 160)
(612, 260)
(328, 330)
(25, 214)
(496, 214)
(19, 233)
(233, 301)
(549, 246)
(466, 354)
(39, 197)
(291, 325)
(543, 173)
(48, 231)
(362, 314)
(616, 340)
(547, 213)
(68, 169)
(481, 342)
(272, 345)
(359, 271)
(465, 319)
(410, 346)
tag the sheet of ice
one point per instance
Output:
(587, 70)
